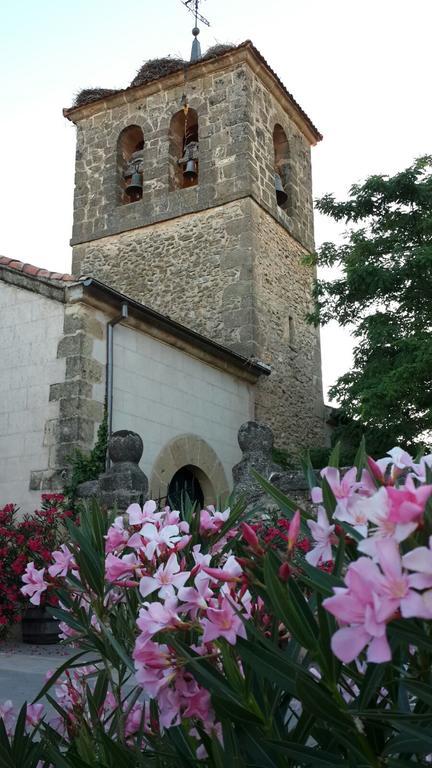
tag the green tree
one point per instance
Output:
(384, 292)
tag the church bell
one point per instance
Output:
(190, 172)
(281, 195)
(135, 187)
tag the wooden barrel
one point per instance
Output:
(39, 627)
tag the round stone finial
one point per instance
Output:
(255, 437)
(195, 31)
(125, 445)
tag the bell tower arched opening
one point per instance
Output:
(183, 149)
(282, 163)
(130, 151)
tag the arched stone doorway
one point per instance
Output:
(186, 483)
(192, 452)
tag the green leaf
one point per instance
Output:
(308, 470)
(329, 499)
(360, 460)
(289, 605)
(334, 456)
(308, 755)
(410, 633)
(68, 664)
(118, 648)
(423, 691)
(371, 683)
(410, 739)
(318, 700)
(323, 582)
(284, 503)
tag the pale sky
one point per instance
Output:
(359, 68)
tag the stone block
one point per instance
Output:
(76, 344)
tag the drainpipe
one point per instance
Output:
(110, 368)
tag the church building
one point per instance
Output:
(184, 313)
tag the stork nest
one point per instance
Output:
(218, 50)
(87, 95)
(155, 68)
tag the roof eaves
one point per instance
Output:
(164, 322)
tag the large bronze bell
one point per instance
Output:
(281, 195)
(135, 187)
(191, 170)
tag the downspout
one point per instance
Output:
(110, 369)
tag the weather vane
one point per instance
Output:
(193, 7)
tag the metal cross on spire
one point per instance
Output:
(193, 7)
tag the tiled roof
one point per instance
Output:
(68, 112)
(30, 269)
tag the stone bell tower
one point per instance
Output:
(193, 195)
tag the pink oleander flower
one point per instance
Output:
(153, 617)
(172, 517)
(34, 583)
(377, 510)
(195, 701)
(169, 705)
(420, 560)
(420, 468)
(211, 521)
(117, 536)
(230, 571)
(154, 540)
(294, 530)
(153, 666)
(322, 533)
(400, 458)
(251, 538)
(147, 514)
(198, 557)
(408, 502)
(137, 718)
(167, 577)
(64, 561)
(119, 567)
(196, 597)
(343, 488)
(34, 714)
(373, 596)
(222, 622)
(7, 714)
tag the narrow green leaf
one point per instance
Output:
(68, 664)
(284, 503)
(308, 755)
(287, 605)
(334, 456)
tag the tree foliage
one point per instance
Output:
(384, 292)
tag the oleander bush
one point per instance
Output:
(24, 539)
(203, 638)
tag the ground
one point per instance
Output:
(23, 668)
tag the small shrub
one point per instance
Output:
(87, 466)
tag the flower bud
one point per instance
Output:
(284, 572)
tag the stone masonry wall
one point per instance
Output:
(236, 119)
(78, 396)
(197, 269)
(291, 399)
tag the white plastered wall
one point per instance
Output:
(162, 392)
(30, 329)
